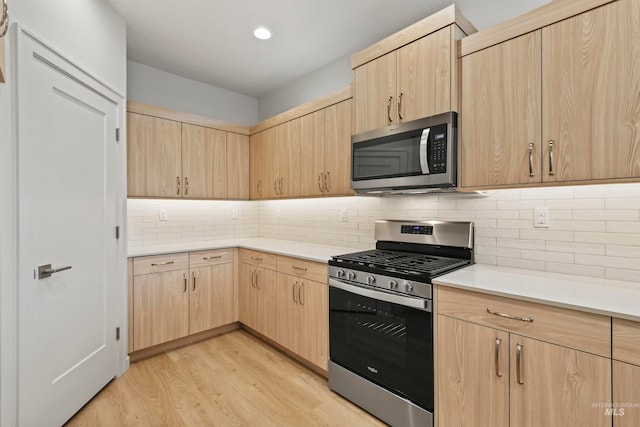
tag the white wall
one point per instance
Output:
(156, 87)
(94, 36)
(595, 230)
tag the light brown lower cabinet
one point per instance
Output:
(182, 294)
(303, 318)
(626, 373)
(257, 295)
(491, 373)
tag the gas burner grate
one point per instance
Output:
(404, 262)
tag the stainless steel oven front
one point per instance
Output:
(381, 352)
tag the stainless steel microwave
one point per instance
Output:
(413, 157)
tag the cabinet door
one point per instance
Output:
(266, 302)
(288, 309)
(153, 157)
(270, 188)
(337, 151)
(237, 166)
(288, 156)
(557, 386)
(211, 300)
(312, 153)
(626, 378)
(313, 301)
(424, 76)
(204, 162)
(473, 382)
(591, 93)
(500, 116)
(247, 295)
(256, 165)
(374, 94)
(160, 308)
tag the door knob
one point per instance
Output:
(45, 271)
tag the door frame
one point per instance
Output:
(9, 274)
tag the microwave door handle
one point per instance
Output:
(424, 143)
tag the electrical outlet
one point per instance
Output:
(343, 215)
(541, 218)
(162, 215)
(234, 213)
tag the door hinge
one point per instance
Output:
(118, 333)
(117, 231)
(117, 134)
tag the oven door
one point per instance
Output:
(385, 338)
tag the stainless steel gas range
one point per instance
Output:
(381, 320)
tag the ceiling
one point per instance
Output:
(212, 40)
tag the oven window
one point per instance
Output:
(389, 344)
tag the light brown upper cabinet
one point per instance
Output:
(410, 74)
(557, 104)
(181, 159)
(325, 153)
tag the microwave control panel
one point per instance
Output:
(438, 157)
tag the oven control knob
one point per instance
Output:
(351, 275)
(393, 284)
(371, 280)
(408, 287)
(340, 273)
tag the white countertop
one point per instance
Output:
(310, 251)
(596, 295)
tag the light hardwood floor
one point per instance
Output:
(230, 380)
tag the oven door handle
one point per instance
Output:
(419, 303)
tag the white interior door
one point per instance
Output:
(67, 214)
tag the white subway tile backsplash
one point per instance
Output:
(595, 230)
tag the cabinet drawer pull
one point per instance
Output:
(193, 286)
(531, 160)
(299, 268)
(327, 181)
(256, 258)
(551, 142)
(280, 185)
(162, 263)
(320, 182)
(389, 109)
(301, 294)
(185, 283)
(211, 257)
(186, 186)
(178, 185)
(519, 363)
(293, 291)
(253, 278)
(258, 279)
(510, 316)
(498, 342)
(400, 106)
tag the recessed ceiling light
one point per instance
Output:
(262, 33)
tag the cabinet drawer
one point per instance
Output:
(311, 270)
(575, 329)
(213, 257)
(626, 341)
(261, 259)
(159, 263)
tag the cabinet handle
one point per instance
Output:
(253, 275)
(193, 286)
(531, 159)
(280, 185)
(256, 258)
(299, 268)
(498, 342)
(275, 186)
(293, 291)
(178, 185)
(186, 185)
(320, 182)
(327, 181)
(389, 109)
(510, 316)
(258, 279)
(185, 282)
(519, 363)
(162, 263)
(551, 142)
(211, 257)
(301, 294)
(400, 106)
(259, 188)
